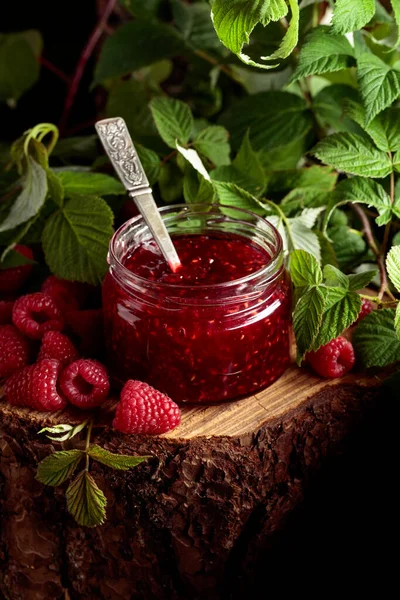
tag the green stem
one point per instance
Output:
(378, 300)
(89, 433)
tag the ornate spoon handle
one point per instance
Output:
(117, 142)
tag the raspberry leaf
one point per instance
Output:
(31, 198)
(150, 162)
(354, 154)
(234, 21)
(85, 501)
(69, 431)
(335, 278)
(58, 467)
(323, 53)
(363, 191)
(121, 462)
(246, 169)
(341, 310)
(86, 183)
(304, 269)
(379, 84)
(173, 120)
(397, 321)
(351, 15)
(75, 239)
(393, 266)
(213, 143)
(307, 319)
(360, 280)
(233, 195)
(56, 189)
(134, 45)
(375, 340)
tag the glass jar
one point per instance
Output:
(199, 344)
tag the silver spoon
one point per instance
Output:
(117, 142)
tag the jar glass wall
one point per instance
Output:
(199, 343)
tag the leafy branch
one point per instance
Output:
(85, 501)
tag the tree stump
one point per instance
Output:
(191, 521)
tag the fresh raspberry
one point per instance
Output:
(88, 326)
(335, 359)
(59, 346)
(85, 383)
(11, 280)
(35, 314)
(6, 308)
(366, 308)
(68, 295)
(36, 386)
(143, 409)
(14, 350)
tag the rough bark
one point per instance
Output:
(189, 523)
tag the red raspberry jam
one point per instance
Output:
(215, 330)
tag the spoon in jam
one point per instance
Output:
(117, 143)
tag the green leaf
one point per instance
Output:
(193, 20)
(375, 340)
(196, 189)
(31, 198)
(351, 15)
(232, 195)
(145, 10)
(353, 154)
(330, 106)
(58, 467)
(91, 184)
(393, 266)
(13, 258)
(19, 65)
(396, 10)
(323, 53)
(194, 159)
(304, 269)
(384, 129)
(358, 281)
(55, 187)
(213, 143)
(300, 236)
(85, 501)
(333, 277)
(128, 99)
(150, 162)
(173, 120)
(134, 45)
(349, 246)
(397, 321)
(75, 239)
(245, 171)
(121, 462)
(291, 36)
(307, 319)
(379, 84)
(69, 431)
(362, 191)
(170, 183)
(286, 121)
(234, 20)
(341, 311)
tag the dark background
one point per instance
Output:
(343, 539)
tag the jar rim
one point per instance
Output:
(269, 271)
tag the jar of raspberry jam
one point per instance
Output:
(215, 330)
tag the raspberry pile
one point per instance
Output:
(49, 342)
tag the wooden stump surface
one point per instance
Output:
(193, 521)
